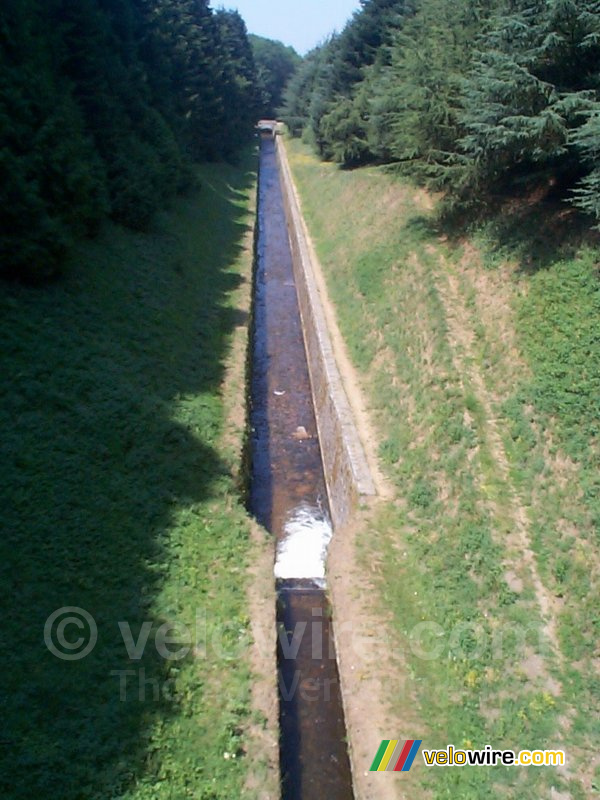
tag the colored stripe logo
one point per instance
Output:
(394, 755)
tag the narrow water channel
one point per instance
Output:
(288, 496)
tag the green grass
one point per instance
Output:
(559, 324)
(443, 544)
(117, 497)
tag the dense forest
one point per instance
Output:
(104, 107)
(473, 97)
(275, 65)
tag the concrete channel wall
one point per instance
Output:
(347, 471)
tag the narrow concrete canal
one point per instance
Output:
(289, 497)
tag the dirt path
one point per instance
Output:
(372, 668)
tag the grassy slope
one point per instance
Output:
(117, 496)
(493, 535)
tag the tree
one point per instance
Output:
(534, 75)
(142, 87)
(327, 86)
(586, 139)
(303, 90)
(416, 98)
(275, 65)
(469, 96)
(344, 132)
(52, 186)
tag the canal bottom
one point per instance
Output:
(314, 760)
(288, 496)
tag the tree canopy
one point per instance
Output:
(275, 65)
(105, 104)
(465, 95)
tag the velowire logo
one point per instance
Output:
(395, 755)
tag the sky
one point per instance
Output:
(301, 23)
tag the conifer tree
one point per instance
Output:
(275, 65)
(304, 93)
(103, 106)
(586, 139)
(470, 96)
(336, 113)
(238, 71)
(534, 75)
(416, 99)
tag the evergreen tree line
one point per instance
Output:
(104, 106)
(275, 65)
(469, 96)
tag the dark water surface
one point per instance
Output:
(287, 478)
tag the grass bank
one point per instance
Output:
(119, 497)
(483, 378)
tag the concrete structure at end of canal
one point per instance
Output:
(269, 126)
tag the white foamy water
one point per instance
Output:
(303, 550)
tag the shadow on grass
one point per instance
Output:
(423, 227)
(111, 417)
(537, 227)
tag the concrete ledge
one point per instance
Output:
(347, 471)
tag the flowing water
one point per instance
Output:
(289, 497)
